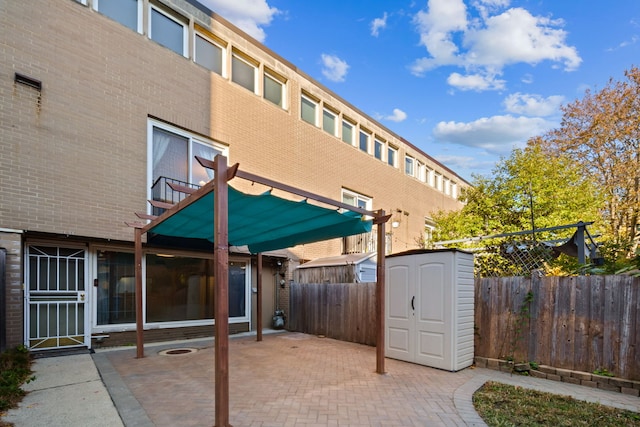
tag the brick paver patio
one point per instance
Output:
(290, 379)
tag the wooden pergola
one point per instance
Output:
(219, 215)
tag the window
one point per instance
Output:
(172, 159)
(431, 177)
(180, 288)
(167, 31)
(354, 199)
(429, 229)
(122, 11)
(116, 288)
(438, 181)
(408, 166)
(378, 149)
(392, 154)
(347, 131)
(447, 186)
(243, 72)
(209, 54)
(274, 88)
(364, 141)
(420, 169)
(454, 190)
(309, 110)
(329, 121)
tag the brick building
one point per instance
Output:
(103, 103)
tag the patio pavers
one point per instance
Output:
(290, 379)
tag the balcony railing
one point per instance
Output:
(161, 192)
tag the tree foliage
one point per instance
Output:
(601, 133)
(527, 190)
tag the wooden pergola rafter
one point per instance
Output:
(219, 186)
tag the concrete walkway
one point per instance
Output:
(289, 379)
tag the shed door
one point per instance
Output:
(433, 293)
(400, 317)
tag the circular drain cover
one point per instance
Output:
(178, 351)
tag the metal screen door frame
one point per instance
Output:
(56, 294)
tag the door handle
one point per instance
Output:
(82, 297)
(412, 301)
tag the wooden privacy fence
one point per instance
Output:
(584, 323)
(344, 311)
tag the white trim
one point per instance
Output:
(9, 230)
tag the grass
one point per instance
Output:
(15, 370)
(502, 405)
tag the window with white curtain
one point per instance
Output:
(172, 155)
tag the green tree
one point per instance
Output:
(601, 132)
(527, 190)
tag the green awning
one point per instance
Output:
(263, 222)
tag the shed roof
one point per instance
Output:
(340, 260)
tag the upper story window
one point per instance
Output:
(274, 88)
(454, 190)
(438, 181)
(167, 30)
(447, 186)
(125, 12)
(363, 141)
(420, 170)
(329, 121)
(378, 148)
(347, 131)
(430, 178)
(209, 54)
(409, 166)
(392, 155)
(244, 72)
(171, 157)
(309, 110)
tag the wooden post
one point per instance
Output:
(380, 296)
(138, 278)
(259, 298)
(221, 273)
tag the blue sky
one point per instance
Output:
(466, 81)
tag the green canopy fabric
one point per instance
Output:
(263, 222)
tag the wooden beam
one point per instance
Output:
(143, 215)
(221, 308)
(138, 295)
(161, 205)
(135, 224)
(181, 188)
(380, 294)
(259, 298)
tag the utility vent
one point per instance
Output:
(178, 351)
(28, 81)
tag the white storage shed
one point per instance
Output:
(429, 308)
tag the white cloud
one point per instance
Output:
(485, 45)
(532, 105)
(248, 15)
(497, 134)
(527, 79)
(334, 68)
(475, 82)
(378, 24)
(397, 116)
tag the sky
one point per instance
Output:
(466, 81)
